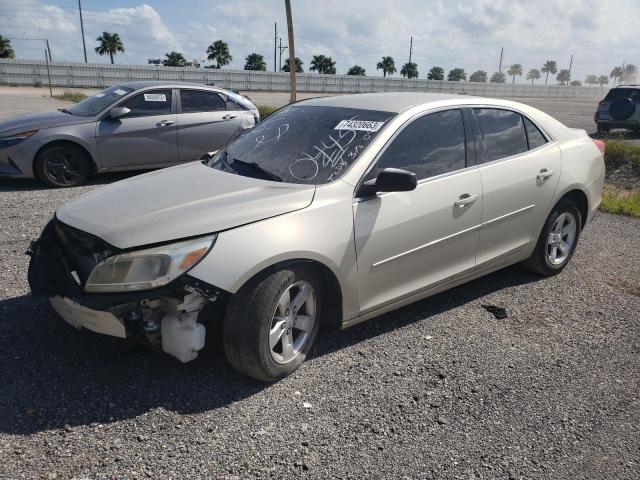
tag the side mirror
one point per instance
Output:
(208, 156)
(389, 180)
(117, 112)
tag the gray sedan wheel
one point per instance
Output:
(62, 165)
(271, 323)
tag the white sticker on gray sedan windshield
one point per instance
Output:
(155, 97)
(362, 125)
(119, 92)
(99, 95)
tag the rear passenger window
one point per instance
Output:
(200, 101)
(429, 146)
(502, 132)
(535, 137)
(154, 102)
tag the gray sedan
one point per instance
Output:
(137, 125)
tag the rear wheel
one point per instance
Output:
(62, 165)
(557, 241)
(271, 324)
(603, 129)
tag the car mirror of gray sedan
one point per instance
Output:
(118, 112)
(389, 180)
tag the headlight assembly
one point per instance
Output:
(15, 138)
(146, 269)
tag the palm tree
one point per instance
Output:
(533, 74)
(299, 64)
(6, 50)
(603, 80)
(323, 64)
(456, 75)
(515, 69)
(219, 51)
(549, 67)
(616, 73)
(109, 44)
(436, 73)
(629, 73)
(255, 61)
(479, 76)
(357, 70)
(409, 70)
(387, 65)
(498, 77)
(591, 80)
(174, 59)
(564, 76)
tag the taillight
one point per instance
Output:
(600, 145)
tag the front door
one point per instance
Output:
(146, 135)
(520, 170)
(409, 241)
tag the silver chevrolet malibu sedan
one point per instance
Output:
(330, 211)
(132, 126)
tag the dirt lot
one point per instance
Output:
(440, 389)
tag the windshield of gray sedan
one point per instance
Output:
(94, 104)
(303, 144)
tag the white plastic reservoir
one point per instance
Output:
(182, 339)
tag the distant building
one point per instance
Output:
(155, 61)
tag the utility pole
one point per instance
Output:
(410, 49)
(48, 48)
(282, 49)
(292, 52)
(501, 53)
(570, 64)
(46, 59)
(275, 46)
(84, 47)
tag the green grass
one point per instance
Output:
(620, 152)
(625, 202)
(265, 111)
(71, 96)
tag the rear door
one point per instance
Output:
(146, 135)
(409, 241)
(520, 169)
(204, 124)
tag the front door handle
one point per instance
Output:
(465, 199)
(229, 116)
(165, 123)
(544, 174)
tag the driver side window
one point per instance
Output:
(431, 145)
(154, 102)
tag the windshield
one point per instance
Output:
(303, 144)
(96, 103)
(632, 93)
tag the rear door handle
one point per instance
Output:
(165, 123)
(229, 116)
(465, 199)
(544, 174)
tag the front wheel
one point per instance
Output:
(557, 241)
(62, 165)
(271, 324)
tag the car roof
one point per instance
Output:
(627, 85)
(172, 84)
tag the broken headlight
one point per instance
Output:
(146, 269)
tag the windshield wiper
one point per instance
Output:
(265, 173)
(64, 110)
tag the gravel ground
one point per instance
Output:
(439, 389)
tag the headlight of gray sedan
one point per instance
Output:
(150, 268)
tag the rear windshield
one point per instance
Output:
(96, 103)
(632, 93)
(303, 144)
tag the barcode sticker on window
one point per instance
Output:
(155, 97)
(120, 92)
(362, 125)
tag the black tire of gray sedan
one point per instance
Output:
(271, 323)
(62, 165)
(558, 240)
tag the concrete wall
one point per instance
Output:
(99, 75)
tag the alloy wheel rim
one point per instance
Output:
(63, 168)
(561, 238)
(292, 323)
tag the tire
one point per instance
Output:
(622, 108)
(541, 260)
(602, 129)
(63, 165)
(260, 310)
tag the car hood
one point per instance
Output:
(38, 121)
(179, 202)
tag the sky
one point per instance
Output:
(465, 33)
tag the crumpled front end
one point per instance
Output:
(62, 260)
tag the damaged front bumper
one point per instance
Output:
(62, 259)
